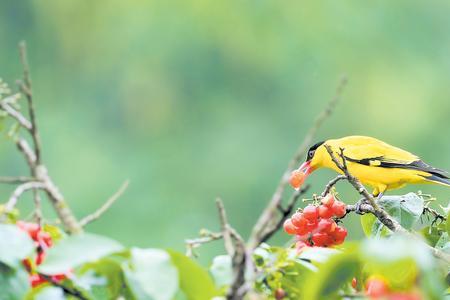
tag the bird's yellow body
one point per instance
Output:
(377, 164)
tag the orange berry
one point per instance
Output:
(339, 209)
(320, 239)
(279, 294)
(298, 220)
(326, 226)
(311, 213)
(376, 287)
(297, 178)
(328, 200)
(325, 212)
(289, 227)
(354, 283)
(339, 235)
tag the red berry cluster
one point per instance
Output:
(42, 241)
(314, 226)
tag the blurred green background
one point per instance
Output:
(196, 99)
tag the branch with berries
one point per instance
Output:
(271, 219)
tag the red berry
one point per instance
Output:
(376, 287)
(36, 279)
(40, 257)
(44, 239)
(339, 235)
(321, 239)
(31, 228)
(354, 283)
(289, 227)
(297, 178)
(311, 226)
(302, 230)
(311, 213)
(326, 226)
(339, 209)
(298, 220)
(279, 294)
(59, 277)
(328, 200)
(325, 212)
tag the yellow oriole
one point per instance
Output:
(374, 163)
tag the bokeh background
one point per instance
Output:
(196, 99)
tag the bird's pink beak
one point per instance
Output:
(306, 168)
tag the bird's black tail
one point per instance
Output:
(438, 179)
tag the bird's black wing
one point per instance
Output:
(382, 162)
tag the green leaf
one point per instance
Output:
(102, 279)
(76, 250)
(221, 270)
(195, 281)
(447, 223)
(15, 244)
(151, 274)
(406, 209)
(334, 274)
(13, 282)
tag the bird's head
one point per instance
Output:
(314, 159)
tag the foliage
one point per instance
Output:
(97, 267)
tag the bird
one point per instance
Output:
(374, 163)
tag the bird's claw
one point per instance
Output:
(358, 206)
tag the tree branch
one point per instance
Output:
(19, 191)
(98, 213)
(16, 180)
(270, 211)
(373, 207)
(235, 247)
(332, 183)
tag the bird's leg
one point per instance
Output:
(380, 195)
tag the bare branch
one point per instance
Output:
(19, 191)
(30, 157)
(25, 87)
(235, 247)
(332, 183)
(97, 214)
(191, 244)
(16, 115)
(16, 180)
(273, 227)
(270, 211)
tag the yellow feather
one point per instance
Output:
(367, 159)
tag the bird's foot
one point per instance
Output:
(359, 204)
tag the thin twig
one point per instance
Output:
(16, 180)
(191, 244)
(27, 152)
(72, 291)
(235, 247)
(269, 212)
(25, 86)
(16, 115)
(285, 212)
(332, 183)
(97, 214)
(19, 191)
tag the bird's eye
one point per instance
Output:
(310, 154)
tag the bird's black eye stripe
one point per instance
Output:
(312, 150)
